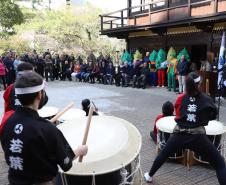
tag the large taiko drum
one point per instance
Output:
(165, 127)
(72, 114)
(114, 145)
(214, 131)
(48, 112)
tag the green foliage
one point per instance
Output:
(15, 43)
(126, 57)
(171, 54)
(185, 53)
(137, 55)
(160, 58)
(153, 55)
(75, 28)
(10, 15)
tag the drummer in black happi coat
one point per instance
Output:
(195, 110)
(33, 146)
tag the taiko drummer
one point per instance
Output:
(34, 147)
(194, 110)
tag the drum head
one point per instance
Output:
(72, 114)
(215, 128)
(47, 112)
(166, 124)
(113, 143)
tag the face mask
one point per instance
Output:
(44, 100)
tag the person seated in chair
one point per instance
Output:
(125, 75)
(95, 73)
(136, 71)
(102, 71)
(110, 73)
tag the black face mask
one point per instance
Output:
(44, 100)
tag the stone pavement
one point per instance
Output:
(138, 106)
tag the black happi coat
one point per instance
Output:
(196, 111)
(33, 148)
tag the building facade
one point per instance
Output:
(153, 24)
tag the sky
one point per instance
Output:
(106, 4)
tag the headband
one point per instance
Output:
(197, 80)
(29, 90)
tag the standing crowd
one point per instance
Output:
(154, 69)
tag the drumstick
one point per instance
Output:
(55, 118)
(91, 109)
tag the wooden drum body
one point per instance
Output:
(113, 145)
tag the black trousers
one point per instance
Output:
(125, 80)
(198, 143)
(3, 81)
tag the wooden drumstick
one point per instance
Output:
(55, 118)
(91, 110)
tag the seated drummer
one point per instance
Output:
(167, 110)
(86, 106)
(33, 146)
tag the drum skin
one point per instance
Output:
(214, 131)
(113, 144)
(48, 112)
(72, 114)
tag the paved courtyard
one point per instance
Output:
(138, 106)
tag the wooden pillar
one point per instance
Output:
(215, 6)
(101, 20)
(122, 19)
(127, 44)
(189, 8)
(128, 6)
(211, 42)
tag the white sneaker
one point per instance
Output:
(147, 178)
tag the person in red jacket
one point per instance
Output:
(10, 100)
(167, 110)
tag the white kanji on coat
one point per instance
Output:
(16, 163)
(16, 146)
(191, 117)
(192, 108)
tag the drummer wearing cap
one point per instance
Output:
(34, 147)
(194, 110)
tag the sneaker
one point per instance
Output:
(147, 177)
(163, 86)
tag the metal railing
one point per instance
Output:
(120, 18)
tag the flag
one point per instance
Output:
(221, 60)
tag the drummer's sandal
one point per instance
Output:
(147, 177)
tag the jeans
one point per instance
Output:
(181, 80)
(153, 78)
(198, 143)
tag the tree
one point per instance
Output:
(10, 15)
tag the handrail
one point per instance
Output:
(165, 7)
(148, 4)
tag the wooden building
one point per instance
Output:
(153, 24)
